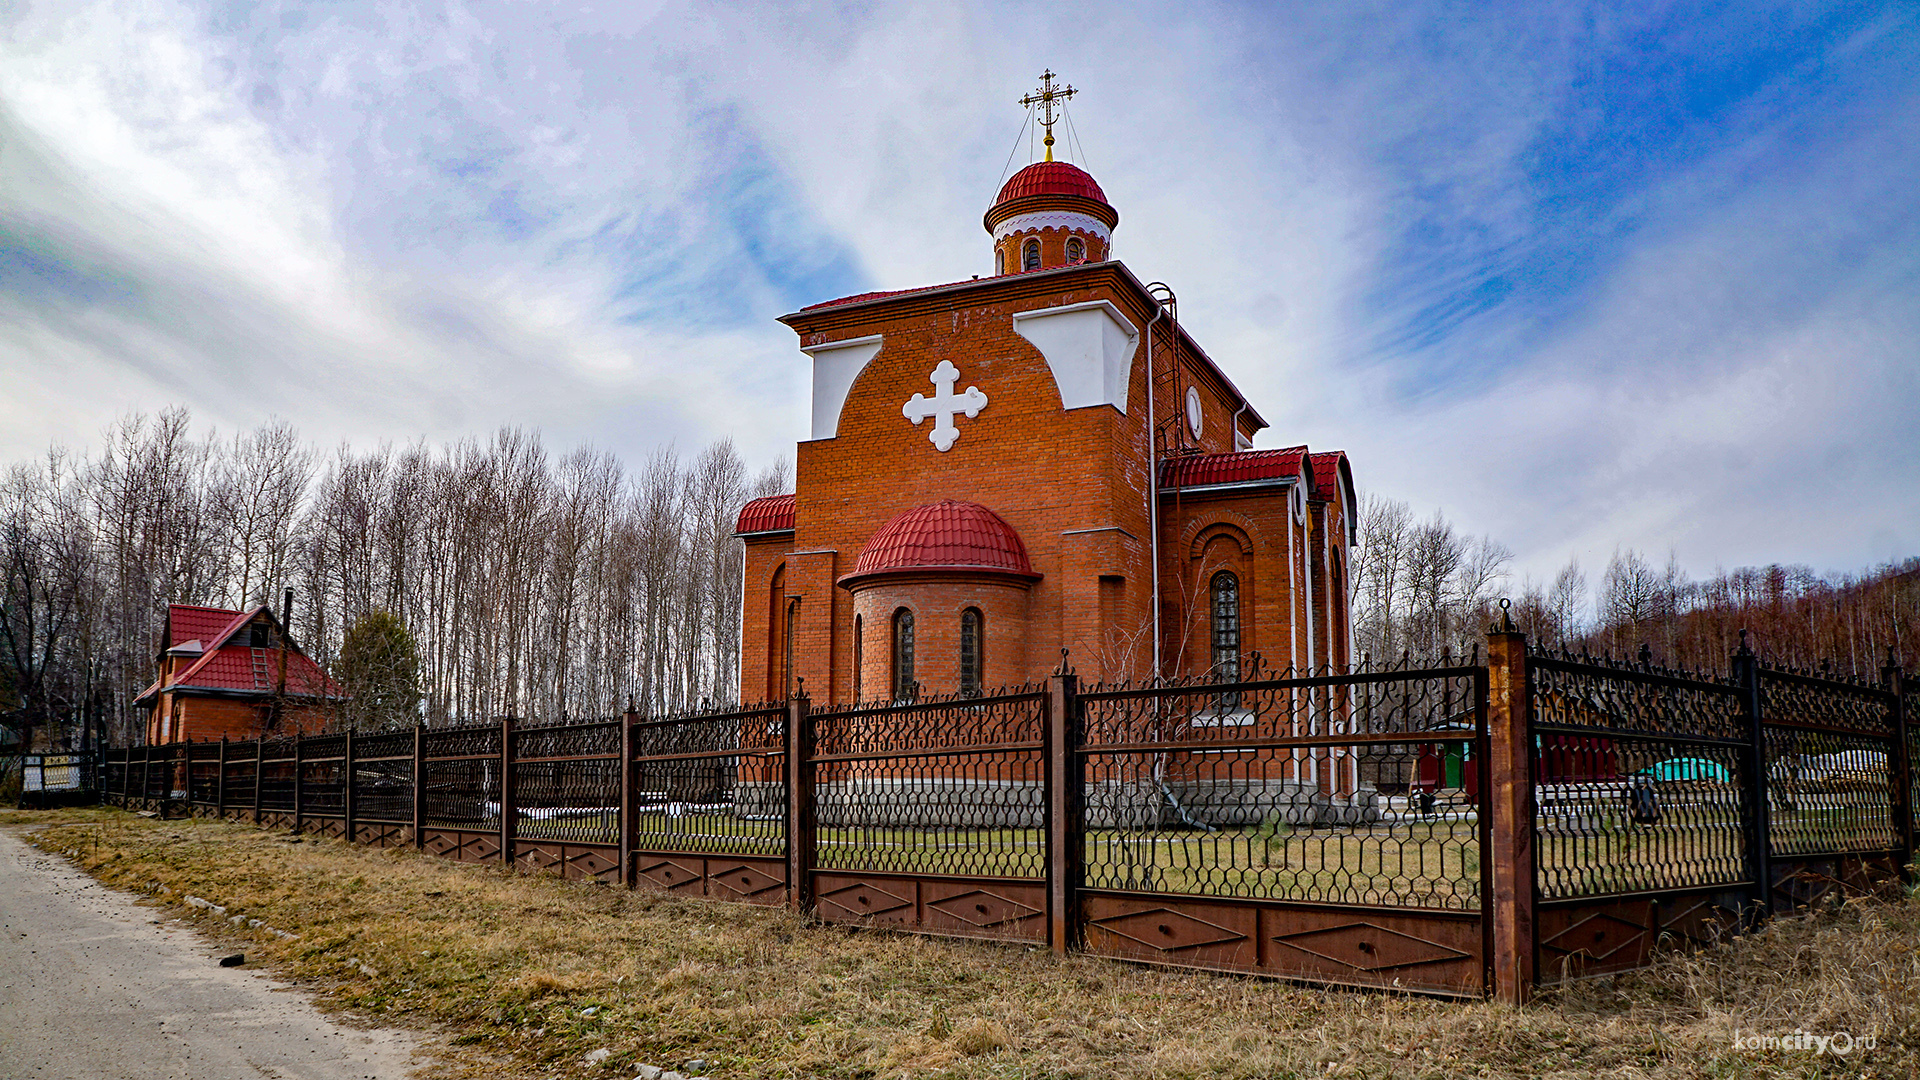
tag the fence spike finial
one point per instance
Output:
(1646, 653)
(1744, 650)
(1506, 616)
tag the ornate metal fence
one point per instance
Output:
(1463, 829)
(709, 804)
(1326, 827)
(929, 815)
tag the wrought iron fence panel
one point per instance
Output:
(383, 789)
(323, 788)
(462, 794)
(203, 751)
(475, 741)
(1791, 697)
(1631, 699)
(712, 784)
(389, 744)
(568, 800)
(947, 787)
(1625, 813)
(1357, 789)
(203, 778)
(240, 770)
(1828, 792)
(571, 740)
(277, 783)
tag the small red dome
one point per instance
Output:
(1050, 178)
(1054, 186)
(947, 535)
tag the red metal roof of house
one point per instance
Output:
(1050, 178)
(1238, 467)
(1326, 474)
(947, 535)
(190, 622)
(230, 664)
(774, 513)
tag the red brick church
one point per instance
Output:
(1002, 467)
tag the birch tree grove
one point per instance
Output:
(535, 585)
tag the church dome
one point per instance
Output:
(1050, 178)
(1051, 185)
(1050, 214)
(945, 536)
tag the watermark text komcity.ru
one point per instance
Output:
(1840, 1043)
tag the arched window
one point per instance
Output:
(970, 628)
(1030, 257)
(903, 684)
(1000, 261)
(1225, 592)
(1076, 251)
(858, 649)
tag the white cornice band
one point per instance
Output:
(1053, 219)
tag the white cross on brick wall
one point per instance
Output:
(944, 404)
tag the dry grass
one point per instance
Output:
(535, 973)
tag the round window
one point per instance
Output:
(1193, 411)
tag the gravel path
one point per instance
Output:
(96, 987)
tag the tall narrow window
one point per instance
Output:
(1030, 257)
(1000, 261)
(786, 637)
(859, 648)
(1226, 633)
(903, 684)
(970, 652)
(1076, 251)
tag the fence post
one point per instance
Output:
(146, 768)
(508, 810)
(1746, 675)
(1510, 833)
(1066, 840)
(1901, 760)
(802, 830)
(346, 795)
(299, 778)
(627, 720)
(220, 785)
(259, 766)
(419, 782)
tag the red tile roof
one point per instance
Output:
(231, 664)
(947, 535)
(188, 622)
(1239, 467)
(1050, 178)
(774, 513)
(1326, 474)
(883, 294)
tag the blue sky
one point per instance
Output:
(1584, 276)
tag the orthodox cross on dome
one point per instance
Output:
(944, 404)
(1047, 97)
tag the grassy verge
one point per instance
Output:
(537, 973)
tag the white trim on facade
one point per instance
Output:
(1090, 349)
(835, 365)
(1053, 219)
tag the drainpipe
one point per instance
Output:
(1153, 483)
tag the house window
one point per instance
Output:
(786, 638)
(1000, 261)
(1030, 259)
(858, 651)
(903, 684)
(1225, 592)
(1076, 251)
(970, 652)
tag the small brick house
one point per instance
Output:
(1044, 459)
(232, 673)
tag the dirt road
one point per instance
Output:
(91, 988)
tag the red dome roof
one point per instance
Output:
(947, 535)
(1051, 185)
(1050, 178)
